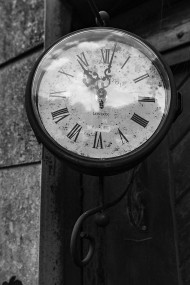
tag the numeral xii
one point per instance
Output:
(105, 55)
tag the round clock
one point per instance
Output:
(101, 99)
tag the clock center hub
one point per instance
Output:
(101, 96)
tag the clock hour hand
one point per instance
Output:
(91, 76)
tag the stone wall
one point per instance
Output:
(21, 33)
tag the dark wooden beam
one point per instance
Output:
(163, 29)
(178, 55)
(60, 186)
(164, 26)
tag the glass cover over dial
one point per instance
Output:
(101, 93)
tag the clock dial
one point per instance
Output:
(100, 94)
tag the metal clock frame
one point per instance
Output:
(108, 166)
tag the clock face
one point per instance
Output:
(100, 94)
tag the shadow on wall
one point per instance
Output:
(12, 281)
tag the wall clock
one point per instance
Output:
(102, 99)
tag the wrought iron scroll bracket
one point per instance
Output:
(101, 220)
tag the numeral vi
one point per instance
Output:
(98, 140)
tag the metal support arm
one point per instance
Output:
(102, 220)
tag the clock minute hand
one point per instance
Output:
(86, 71)
(110, 63)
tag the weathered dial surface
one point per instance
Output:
(102, 95)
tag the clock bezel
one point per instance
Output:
(95, 166)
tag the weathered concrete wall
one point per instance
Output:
(17, 141)
(19, 223)
(21, 30)
(21, 26)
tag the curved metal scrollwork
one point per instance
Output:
(101, 220)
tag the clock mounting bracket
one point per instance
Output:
(101, 219)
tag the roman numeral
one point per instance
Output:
(123, 138)
(125, 62)
(98, 140)
(82, 60)
(65, 73)
(141, 77)
(60, 114)
(74, 133)
(57, 94)
(146, 99)
(139, 120)
(105, 55)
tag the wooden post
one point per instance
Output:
(60, 188)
